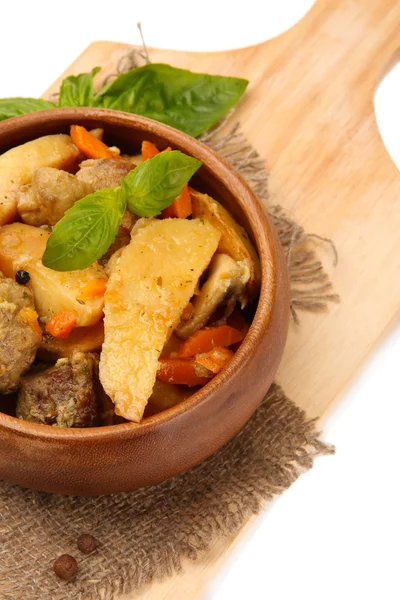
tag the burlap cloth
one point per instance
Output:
(145, 534)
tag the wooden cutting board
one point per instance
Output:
(309, 111)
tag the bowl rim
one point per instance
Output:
(262, 235)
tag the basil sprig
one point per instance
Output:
(191, 102)
(78, 90)
(13, 107)
(88, 229)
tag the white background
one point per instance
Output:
(336, 532)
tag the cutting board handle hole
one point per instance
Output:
(387, 111)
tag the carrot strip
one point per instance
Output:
(205, 340)
(89, 145)
(95, 287)
(181, 207)
(179, 371)
(62, 324)
(149, 150)
(216, 359)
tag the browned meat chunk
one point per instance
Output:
(57, 191)
(29, 207)
(53, 191)
(66, 395)
(103, 173)
(19, 332)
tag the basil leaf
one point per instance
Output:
(86, 231)
(12, 107)
(77, 90)
(156, 182)
(191, 102)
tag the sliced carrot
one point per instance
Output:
(205, 340)
(89, 145)
(94, 288)
(149, 150)
(179, 371)
(181, 207)
(62, 324)
(216, 359)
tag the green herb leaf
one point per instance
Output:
(156, 182)
(191, 102)
(77, 90)
(12, 107)
(86, 231)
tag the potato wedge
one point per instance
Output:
(227, 279)
(22, 247)
(234, 239)
(18, 165)
(149, 287)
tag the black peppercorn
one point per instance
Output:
(87, 543)
(65, 567)
(22, 277)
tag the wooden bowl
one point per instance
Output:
(123, 457)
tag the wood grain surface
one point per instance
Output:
(309, 111)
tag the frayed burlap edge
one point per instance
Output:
(147, 534)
